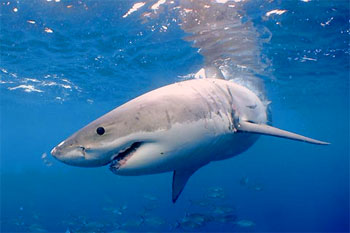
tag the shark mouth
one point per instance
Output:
(123, 156)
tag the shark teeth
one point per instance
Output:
(123, 156)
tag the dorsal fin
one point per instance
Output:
(180, 178)
(213, 72)
(245, 126)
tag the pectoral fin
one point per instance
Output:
(249, 127)
(180, 178)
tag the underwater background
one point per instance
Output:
(65, 63)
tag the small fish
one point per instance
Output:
(257, 188)
(150, 197)
(133, 223)
(197, 218)
(117, 211)
(188, 224)
(216, 195)
(124, 207)
(93, 227)
(154, 221)
(216, 189)
(36, 228)
(222, 210)
(245, 223)
(226, 218)
(202, 203)
(116, 226)
(216, 192)
(19, 223)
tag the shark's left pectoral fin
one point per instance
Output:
(250, 127)
(180, 178)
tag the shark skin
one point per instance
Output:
(176, 128)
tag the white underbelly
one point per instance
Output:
(187, 146)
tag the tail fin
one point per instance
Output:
(249, 127)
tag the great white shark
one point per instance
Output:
(177, 128)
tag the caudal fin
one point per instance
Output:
(249, 127)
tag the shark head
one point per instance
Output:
(111, 137)
(107, 140)
(91, 146)
(134, 138)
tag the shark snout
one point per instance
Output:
(68, 155)
(60, 152)
(55, 152)
(78, 155)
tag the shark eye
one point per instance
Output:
(100, 130)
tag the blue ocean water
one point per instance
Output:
(65, 63)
